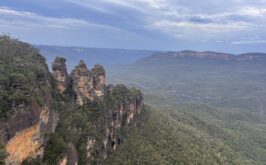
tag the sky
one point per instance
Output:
(234, 26)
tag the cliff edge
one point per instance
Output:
(57, 118)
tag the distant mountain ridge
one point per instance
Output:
(255, 57)
(103, 56)
(110, 56)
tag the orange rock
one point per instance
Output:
(25, 144)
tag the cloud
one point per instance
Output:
(194, 31)
(24, 19)
(31, 25)
(200, 20)
(91, 5)
(161, 21)
(174, 16)
(249, 42)
(29, 20)
(208, 27)
(253, 11)
(166, 15)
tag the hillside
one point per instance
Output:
(60, 118)
(219, 102)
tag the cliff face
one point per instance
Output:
(87, 83)
(126, 109)
(108, 110)
(56, 118)
(98, 79)
(26, 100)
(60, 74)
(82, 83)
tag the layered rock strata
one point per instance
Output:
(60, 74)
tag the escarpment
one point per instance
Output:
(26, 112)
(125, 111)
(107, 110)
(57, 118)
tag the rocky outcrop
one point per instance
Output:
(122, 107)
(29, 142)
(98, 79)
(87, 84)
(60, 74)
(122, 115)
(25, 132)
(127, 107)
(121, 110)
(82, 80)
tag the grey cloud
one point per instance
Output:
(201, 20)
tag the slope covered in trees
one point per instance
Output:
(208, 111)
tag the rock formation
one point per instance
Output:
(60, 74)
(122, 106)
(25, 133)
(82, 79)
(86, 116)
(98, 79)
(125, 112)
(87, 84)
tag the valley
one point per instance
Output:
(222, 101)
(200, 108)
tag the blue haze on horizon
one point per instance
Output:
(233, 26)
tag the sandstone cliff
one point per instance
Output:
(56, 118)
(110, 110)
(87, 83)
(82, 83)
(98, 79)
(26, 100)
(60, 74)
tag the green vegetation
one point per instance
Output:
(173, 137)
(35, 161)
(98, 70)
(78, 123)
(75, 125)
(3, 153)
(121, 93)
(23, 76)
(206, 112)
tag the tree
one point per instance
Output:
(3, 153)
